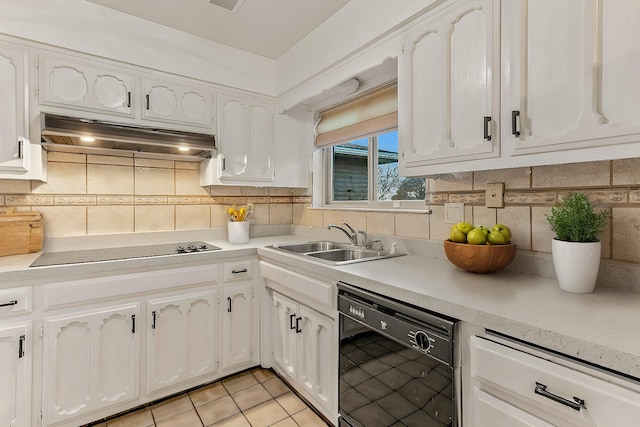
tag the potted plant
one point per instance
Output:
(576, 248)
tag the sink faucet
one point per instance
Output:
(351, 234)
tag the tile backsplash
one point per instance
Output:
(93, 194)
(529, 194)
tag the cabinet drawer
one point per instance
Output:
(238, 270)
(15, 301)
(519, 374)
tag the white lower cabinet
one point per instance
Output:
(181, 338)
(513, 388)
(237, 324)
(303, 340)
(15, 374)
(91, 361)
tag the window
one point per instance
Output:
(359, 141)
(366, 170)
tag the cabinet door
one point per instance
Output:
(246, 139)
(181, 338)
(177, 102)
(15, 372)
(13, 110)
(284, 335)
(317, 365)
(571, 72)
(237, 324)
(69, 83)
(448, 87)
(91, 361)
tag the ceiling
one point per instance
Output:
(264, 27)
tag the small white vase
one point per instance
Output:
(238, 232)
(576, 265)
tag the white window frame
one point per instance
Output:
(323, 185)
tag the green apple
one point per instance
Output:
(476, 237)
(506, 231)
(464, 227)
(457, 236)
(497, 238)
(484, 230)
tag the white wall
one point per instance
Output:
(359, 23)
(90, 28)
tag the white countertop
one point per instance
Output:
(602, 328)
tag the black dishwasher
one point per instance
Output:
(396, 363)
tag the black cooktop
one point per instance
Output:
(119, 253)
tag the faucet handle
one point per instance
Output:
(350, 228)
(364, 238)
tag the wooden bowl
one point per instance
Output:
(479, 258)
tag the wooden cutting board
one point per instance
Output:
(20, 232)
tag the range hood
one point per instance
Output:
(76, 135)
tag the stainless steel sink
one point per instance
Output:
(302, 248)
(334, 253)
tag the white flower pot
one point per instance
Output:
(576, 265)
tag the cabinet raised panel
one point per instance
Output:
(237, 325)
(558, 98)
(92, 361)
(15, 375)
(284, 334)
(176, 102)
(77, 85)
(316, 370)
(246, 139)
(14, 128)
(303, 344)
(181, 338)
(446, 88)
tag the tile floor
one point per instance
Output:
(255, 398)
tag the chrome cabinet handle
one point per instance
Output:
(291, 317)
(514, 123)
(21, 347)
(487, 124)
(541, 389)
(10, 303)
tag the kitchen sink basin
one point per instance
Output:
(334, 253)
(302, 248)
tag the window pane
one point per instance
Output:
(391, 186)
(350, 170)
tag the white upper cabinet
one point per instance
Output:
(447, 99)
(571, 77)
(245, 138)
(72, 83)
(174, 101)
(14, 127)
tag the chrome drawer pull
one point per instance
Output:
(541, 389)
(10, 303)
